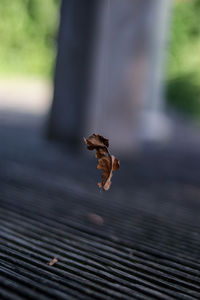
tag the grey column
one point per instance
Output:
(127, 71)
(109, 69)
(72, 70)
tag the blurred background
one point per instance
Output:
(183, 76)
(28, 30)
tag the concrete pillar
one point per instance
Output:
(126, 99)
(109, 70)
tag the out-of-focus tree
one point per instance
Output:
(27, 32)
(183, 89)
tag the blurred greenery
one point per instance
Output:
(183, 86)
(27, 33)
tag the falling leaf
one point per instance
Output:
(106, 162)
(96, 140)
(52, 262)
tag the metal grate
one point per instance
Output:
(147, 248)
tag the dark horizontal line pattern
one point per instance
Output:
(147, 248)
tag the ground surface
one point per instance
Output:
(148, 246)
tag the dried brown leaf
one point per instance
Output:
(52, 262)
(106, 162)
(95, 141)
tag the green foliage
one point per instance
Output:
(27, 31)
(183, 89)
(183, 94)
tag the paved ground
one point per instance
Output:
(146, 248)
(28, 95)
